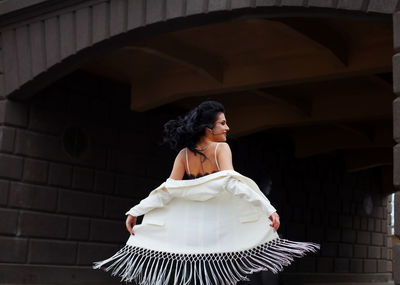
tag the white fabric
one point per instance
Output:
(220, 212)
(206, 231)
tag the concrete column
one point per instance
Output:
(396, 248)
(396, 136)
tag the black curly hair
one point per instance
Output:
(186, 131)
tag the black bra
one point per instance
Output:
(191, 176)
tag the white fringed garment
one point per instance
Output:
(210, 230)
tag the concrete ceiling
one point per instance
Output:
(330, 75)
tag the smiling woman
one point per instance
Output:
(214, 227)
(198, 136)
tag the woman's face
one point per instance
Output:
(220, 128)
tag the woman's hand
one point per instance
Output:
(130, 223)
(275, 220)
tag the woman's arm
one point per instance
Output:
(178, 170)
(244, 191)
(130, 222)
(158, 198)
(224, 157)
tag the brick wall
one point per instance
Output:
(62, 212)
(56, 209)
(319, 201)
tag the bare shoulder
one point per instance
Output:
(224, 148)
(178, 169)
(181, 154)
(224, 156)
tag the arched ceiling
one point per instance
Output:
(246, 55)
(288, 73)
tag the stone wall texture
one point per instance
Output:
(44, 43)
(318, 201)
(65, 208)
(75, 158)
(396, 137)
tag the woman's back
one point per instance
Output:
(197, 165)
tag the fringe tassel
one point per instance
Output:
(149, 267)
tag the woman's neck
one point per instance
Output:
(203, 143)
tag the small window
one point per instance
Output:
(75, 141)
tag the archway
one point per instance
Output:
(49, 45)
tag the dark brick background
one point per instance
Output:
(69, 211)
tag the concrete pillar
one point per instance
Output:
(396, 248)
(396, 136)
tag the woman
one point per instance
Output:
(206, 223)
